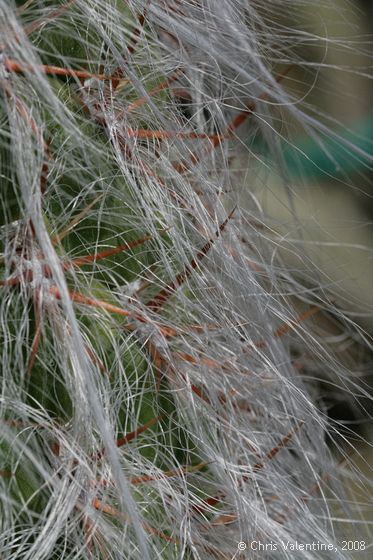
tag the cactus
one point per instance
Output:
(160, 363)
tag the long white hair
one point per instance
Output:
(165, 374)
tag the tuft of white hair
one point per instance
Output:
(163, 371)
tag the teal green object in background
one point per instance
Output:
(331, 157)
